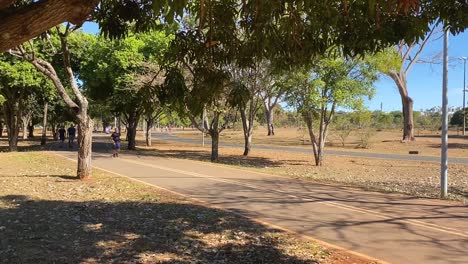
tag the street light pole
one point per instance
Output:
(444, 145)
(464, 91)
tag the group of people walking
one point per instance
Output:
(71, 133)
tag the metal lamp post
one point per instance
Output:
(464, 91)
(444, 134)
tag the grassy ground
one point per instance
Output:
(46, 216)
(387, 141)
(408, 177)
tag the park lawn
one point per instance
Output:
(420, 179)
(386, 141)
(47, 216)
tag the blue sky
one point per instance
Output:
(424, 80)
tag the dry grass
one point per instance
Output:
(48, 216)
(427, 143)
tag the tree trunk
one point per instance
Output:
(85, 139)
(132, 124)
(13, 123)
(247, 126)
(25, 121)
(44, 125)
(214, 133)
(408, 121)
(407, 105)
(1, 129)
(269, 121)
(149, 125)
(30, 129)
(214, 146)
(54, 131)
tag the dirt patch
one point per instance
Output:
(46, 215)
(386, 141)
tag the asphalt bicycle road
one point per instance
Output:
(391, 228)
(173, 137)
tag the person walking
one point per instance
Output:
(116, 139)
(71, 135)
(61, 133)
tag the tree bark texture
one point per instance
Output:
(85, 139)
(1, 129)
(44, 124)
(34, 19)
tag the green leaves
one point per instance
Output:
(332, 83)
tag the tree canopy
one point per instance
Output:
(271, 27)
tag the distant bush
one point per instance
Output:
(365, 137)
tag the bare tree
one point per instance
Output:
(409, 54)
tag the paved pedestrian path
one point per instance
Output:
(392, 228)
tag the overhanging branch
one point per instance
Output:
(32, 20)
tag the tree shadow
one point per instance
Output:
(198, 155)
(354, 220)
(44, 231)
(64, 177)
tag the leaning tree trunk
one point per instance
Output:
(407, 105)
(85, 139)
(44, 125)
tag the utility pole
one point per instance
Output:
(444, 147)
(464, 91)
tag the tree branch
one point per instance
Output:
(418, 53)
(66, 63)
(6, 3)
(48, 70)
(30, 21)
